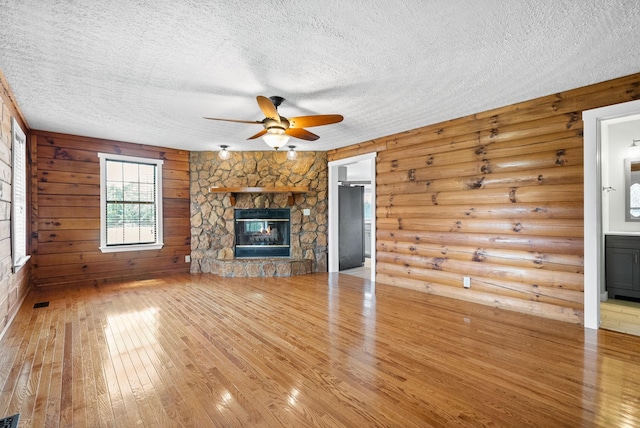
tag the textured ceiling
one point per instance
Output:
(148, 71)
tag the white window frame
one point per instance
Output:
(104, 157)
(19, 237)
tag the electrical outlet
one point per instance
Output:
(187, 259)
(306, 211)
(466, 281)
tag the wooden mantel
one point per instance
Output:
(235, 190)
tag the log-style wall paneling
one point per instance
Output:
(14, 287)
(66, 234)
(496, 196)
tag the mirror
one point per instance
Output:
(632, 189)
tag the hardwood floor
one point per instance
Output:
(361, 272)
(620, 315)
(312, 350)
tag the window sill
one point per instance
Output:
(123, 248)
(23, 261)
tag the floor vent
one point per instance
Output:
(36, 306)
(10, 421)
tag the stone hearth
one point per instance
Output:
(261, 267)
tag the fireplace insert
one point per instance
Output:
(262, 232)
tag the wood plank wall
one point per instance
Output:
(13, 286)
(497, 196)
(67, 213)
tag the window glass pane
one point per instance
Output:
(115, 234)
(147, 231)
(148, 215)
(147, 192)
(147, 174)
(130, 171)
(115, 213)
(114, 170)
(131, 192)
(115, 223)
(131, 234)
(114, 191)
(131, 213)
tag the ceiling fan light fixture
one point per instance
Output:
(224, 154)
(275, 138)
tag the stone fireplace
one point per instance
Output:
(213, 214)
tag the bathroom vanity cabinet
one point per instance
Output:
(622, 266)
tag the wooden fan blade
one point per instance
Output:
(234, 120)
(303, 134)
(259, 134)
(268, 108)
(318, 120)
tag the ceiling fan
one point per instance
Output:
(278, 129)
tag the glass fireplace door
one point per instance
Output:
(262, 233)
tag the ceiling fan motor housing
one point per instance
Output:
(274, 124)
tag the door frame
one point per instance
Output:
(334, 217)
(593, 237)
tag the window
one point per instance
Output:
(130, 203)
(19, 197)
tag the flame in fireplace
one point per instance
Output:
(266, 231)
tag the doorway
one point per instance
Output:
(595, 121)
(620, 167)
(366, 171)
